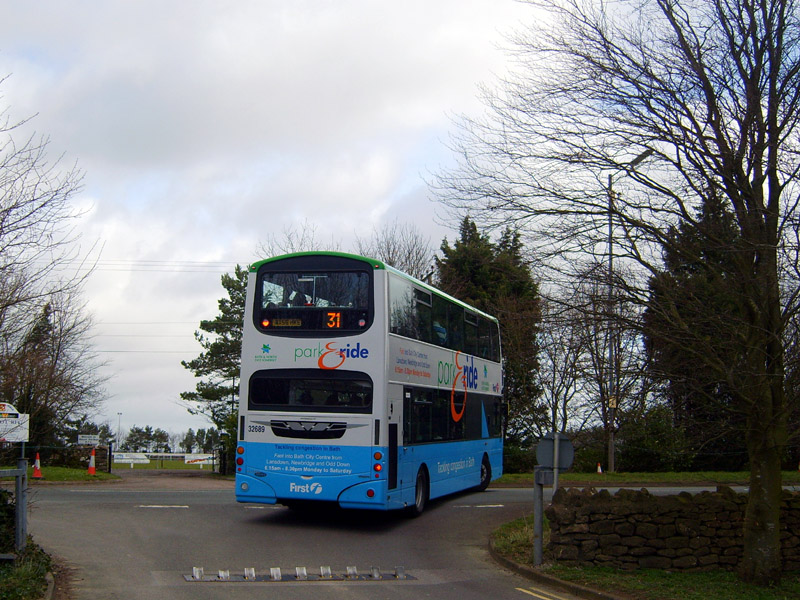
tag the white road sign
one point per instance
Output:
(131, 457)
(14, 426)
(198, 459)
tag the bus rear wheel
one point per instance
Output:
(421, 493)
(486, 473)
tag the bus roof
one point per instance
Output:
(375, 264)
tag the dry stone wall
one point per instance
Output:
(634, 529)
(78, 457)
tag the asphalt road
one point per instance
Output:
(138, 539)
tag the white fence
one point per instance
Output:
(141, 458)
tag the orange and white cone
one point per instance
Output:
(37, 469)
(599, 469)
(91, 464)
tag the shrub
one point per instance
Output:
(24, 579)
(7, 523)
(518, 458)
(653, 443)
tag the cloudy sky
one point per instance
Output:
(205, 128)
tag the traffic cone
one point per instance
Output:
(37, 469)
(91, 463)
(599, 469)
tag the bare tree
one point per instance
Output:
(401, 246)
(592, 363)
(613, 365)
(560, 376)
(709, 92)
(302, 238)
(36, 216)
(52, 372)
(175, 440)
(47, 366)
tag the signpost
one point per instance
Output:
(553, 453)
(14, 427)
(558, 456)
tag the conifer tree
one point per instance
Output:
(695, 286)
(217, 367)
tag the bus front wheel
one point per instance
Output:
(421, 492)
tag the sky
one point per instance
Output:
(205, 129)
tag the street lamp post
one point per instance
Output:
(613, 370)
(119, 426)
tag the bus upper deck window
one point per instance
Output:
(301, 302)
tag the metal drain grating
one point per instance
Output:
(300, 574)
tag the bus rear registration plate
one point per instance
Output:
(287, 322)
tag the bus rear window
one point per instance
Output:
(305, 390)
(313, 301)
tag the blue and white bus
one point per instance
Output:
(363, 386)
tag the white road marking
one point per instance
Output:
(542, 595)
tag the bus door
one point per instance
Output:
(408, 462)
(394, 421)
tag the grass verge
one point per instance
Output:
(159, 463)
(514, 541)
(678, 478)
(649, 584)
(24, 578)
(65, 474)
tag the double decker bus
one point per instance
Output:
(363, 386)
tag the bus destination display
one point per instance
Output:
(313, 319)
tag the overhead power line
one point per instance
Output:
(136, 265)
(146, 351)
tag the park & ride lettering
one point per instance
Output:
(347, 351)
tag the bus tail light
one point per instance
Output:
(239, 459)
(378, 456)
(378, 467)
(370, 493)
